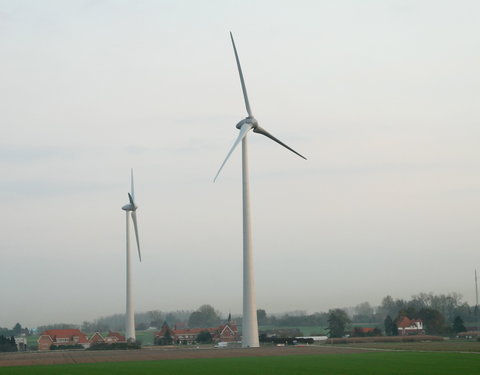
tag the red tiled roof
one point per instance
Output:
(66, 333)
(231, 325)
(117, 335)
(96, 337)
(195, 331)
(405, 322)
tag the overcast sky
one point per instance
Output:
(381, 96)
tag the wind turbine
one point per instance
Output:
(130, 210)
(249, 324)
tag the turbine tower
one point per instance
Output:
(131, 211)
(249, 324)
(476, 302)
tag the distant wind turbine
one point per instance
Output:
(250, 324)
(131, 210)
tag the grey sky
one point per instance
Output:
(381, 96)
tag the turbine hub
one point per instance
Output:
(248, 120)
(129, 207)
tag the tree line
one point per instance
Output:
(450, 306)
(16, 330)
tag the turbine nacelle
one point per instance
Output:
(132, 207)
(129, 207)
(252, 121)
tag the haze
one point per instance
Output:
(381, 96)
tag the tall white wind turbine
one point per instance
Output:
(250, 324)
(131, 211)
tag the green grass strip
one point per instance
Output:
(397, 363)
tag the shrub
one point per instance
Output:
(285, 340)
(204, 337)
(353, 340)
(7, 344)
(66, 347)
(116, 346)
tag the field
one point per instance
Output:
(145, 337)
(32, 339)
(371, 363)
(306, 330)
(463, 346)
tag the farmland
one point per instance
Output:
(377, 363)
(440, 346)
(306, 330)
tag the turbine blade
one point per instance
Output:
(132, 191)
(244, 89)
(243, 132)
(262, 131)
(135, 226)
(130, 198)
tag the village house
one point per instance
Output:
(408, 326)
(96, 338)
(62, 337)
(68, 337)
(114, 337)
(21, 343)
(111, 338)
(227, 332)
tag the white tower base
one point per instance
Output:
(129, 316)
(249, 323)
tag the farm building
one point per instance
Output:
(62, 337)
(469, 335)
(111, 338)
(227, 332)
(408, 326)
(68, 337)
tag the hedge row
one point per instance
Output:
(354, 340)
(115, 346)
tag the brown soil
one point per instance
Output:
(157, 353)
(396, 339)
